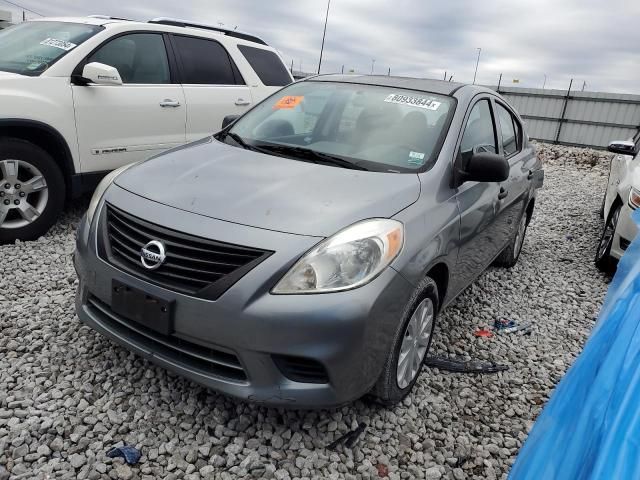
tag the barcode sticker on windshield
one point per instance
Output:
(428, 103)
(61, 44)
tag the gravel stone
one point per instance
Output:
(67, 394)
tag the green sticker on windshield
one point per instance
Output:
(416, 158)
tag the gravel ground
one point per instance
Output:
(67, 394)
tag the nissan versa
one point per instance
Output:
(300, 256)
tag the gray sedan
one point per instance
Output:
(300, 256)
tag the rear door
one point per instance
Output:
(515, 190)
(119, 124)
(212, 84)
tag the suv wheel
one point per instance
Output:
(32, 191)
(410, 346)
(604, 261)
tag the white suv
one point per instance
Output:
(82, 96)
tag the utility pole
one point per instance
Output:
(24, 16)
(292, 66)
(477, 62)
(545, 81)
(445, 76)
(584, 84)
(342, 71)
(324, 34)
(389, 72)
(373, 62)
(499, 83)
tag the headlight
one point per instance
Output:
(349, 259)
(634, 198)
(101, 188)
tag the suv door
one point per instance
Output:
(478, 202)
(120, 124)
(212, 84)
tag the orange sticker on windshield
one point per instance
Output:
(290, 101)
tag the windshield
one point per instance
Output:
(371, 127)
(32, 47)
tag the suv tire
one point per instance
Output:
(32, 190)
(392, 386)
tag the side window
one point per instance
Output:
(479, 133)
(205, 62)
(508, 130)
(139, 58)
(267, 65)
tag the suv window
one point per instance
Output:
(509, 131)
(139, 58)
(267, 65)
(479, 134)
(205, 62)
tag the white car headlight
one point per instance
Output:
(634, 198)
(101, 188)
(347, 260)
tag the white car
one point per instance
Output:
(620, 200)
(82, 96)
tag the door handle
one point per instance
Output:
(167, 102)
(241, 102)
(503, 193)
(530, 175)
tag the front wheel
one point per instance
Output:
(32, 191)
(604, 261)
(410, 347)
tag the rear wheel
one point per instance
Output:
(604, 261)
(410, 346)
(32, 191)
(509, 256)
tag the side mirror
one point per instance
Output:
(623, 147)
(485, 167)
(101, 74)
(228, 120)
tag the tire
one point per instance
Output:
(32, 191)
(509, 256)
(388, 389)
(604, 261)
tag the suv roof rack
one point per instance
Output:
(184, 23)
(108, 17)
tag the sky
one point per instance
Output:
(590, 41)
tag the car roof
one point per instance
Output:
(433, 86)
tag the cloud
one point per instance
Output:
(588, 40)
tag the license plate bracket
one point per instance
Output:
(138, 306)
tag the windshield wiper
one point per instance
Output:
(238, 139)
(312, 156)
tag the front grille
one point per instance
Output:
(302, 370)
(194, 265)
(208, 361)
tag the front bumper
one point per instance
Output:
(248, 342)
(625, 233)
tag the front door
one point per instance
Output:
(212, 84)
(120, 124)
(479, 202)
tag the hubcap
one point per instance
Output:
(520, 236)
(24, 193)
(607, 235)
(415, 343)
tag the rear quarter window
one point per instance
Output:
(267, 65)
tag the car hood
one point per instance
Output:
(228, 183)
(4, 75)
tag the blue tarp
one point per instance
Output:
(590, 428)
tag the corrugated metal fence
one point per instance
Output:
(576, 118)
